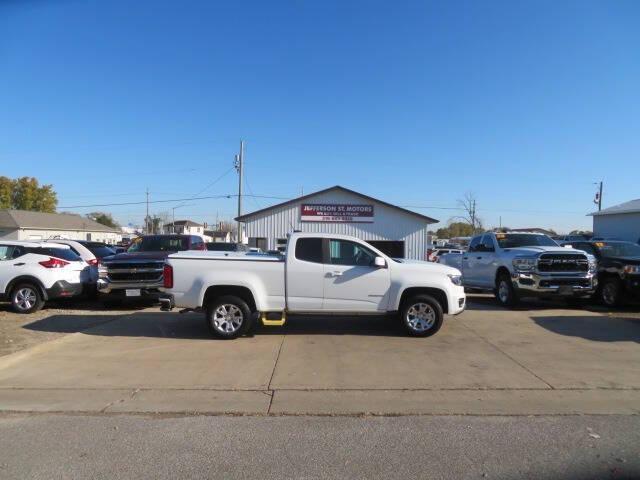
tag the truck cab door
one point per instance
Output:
(352, 282)
(304, 275)
(469, 262)
(485, 262)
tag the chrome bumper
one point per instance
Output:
(106, 286)
(555, 284)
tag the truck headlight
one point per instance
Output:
(631, 269)
(524, 264)
(455, 279)
(102, 271)
(593, 265)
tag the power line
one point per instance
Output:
(230, 195)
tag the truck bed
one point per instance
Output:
(262, 274)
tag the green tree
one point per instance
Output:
(455, 229)
(104, 219)
(27, 194)
(6, 191)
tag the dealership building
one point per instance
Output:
(394, 230)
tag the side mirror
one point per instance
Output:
(379, 262)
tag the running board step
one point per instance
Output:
(273, 319)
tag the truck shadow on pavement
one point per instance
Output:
(595, 328)
(192, 326)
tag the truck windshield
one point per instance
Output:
(159, 244)
(515, 240)
(618, 249)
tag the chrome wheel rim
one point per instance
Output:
(503, 291)
(25, 298)
(420, 317)
(609, 294)
(227, 318)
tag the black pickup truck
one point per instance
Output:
(138, 271)
(618, 269)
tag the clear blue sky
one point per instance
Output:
(524, 103)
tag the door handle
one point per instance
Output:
(336, 274)
(479, 258)
(465, 258)
(19, 264)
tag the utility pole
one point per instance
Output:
(146, 219)
(473, 216)
(239, 164)
(600, 197)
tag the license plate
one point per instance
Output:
(132, 292)
(565, 290)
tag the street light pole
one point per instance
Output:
(239, 164)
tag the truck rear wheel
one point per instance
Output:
(421, 316)
(505, 293)
(228, 317)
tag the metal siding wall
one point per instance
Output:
(623, 226)
(389, 224)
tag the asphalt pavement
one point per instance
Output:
(445, 447)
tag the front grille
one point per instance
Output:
(132, 272)
(135, 277)
(574, 282)
(562, 262)
(136, 265)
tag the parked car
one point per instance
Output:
(226, 247)
(441, 251)
(138, 271)
(320, 273)
(33, 272)
(89, 275)
(516, 265)
(618, 269)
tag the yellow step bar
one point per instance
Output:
(273, 323)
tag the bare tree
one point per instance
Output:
(468, 204)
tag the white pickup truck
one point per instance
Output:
(319, 274)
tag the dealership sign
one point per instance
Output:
(330, 212)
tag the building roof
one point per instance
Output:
(50, 221)
(247, 216)
(632, 206)
(186, 223)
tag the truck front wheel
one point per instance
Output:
(505, 293)
(421, 316)
(228, 317)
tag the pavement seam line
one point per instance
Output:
(507, 355)
(273, 372)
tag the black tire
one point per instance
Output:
(26, 298)
(238, 320)
(610, 292)
(421, 316)
(505, 293)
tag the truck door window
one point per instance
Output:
(487, 244)
(475, 242)
(344, 252)
(309, 249)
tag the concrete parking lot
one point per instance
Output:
(544, 358)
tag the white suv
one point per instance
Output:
(33, 272)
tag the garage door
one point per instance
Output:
(394, 249)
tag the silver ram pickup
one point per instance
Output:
(516, 265)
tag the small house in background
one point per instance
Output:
(28, 225)
(620, 222)
(217, 236)
(186, 227)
